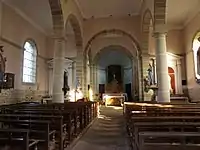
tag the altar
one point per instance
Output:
(114, 99)
(114, 95)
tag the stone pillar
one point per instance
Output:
(50, 81)
(162, 67)
(58, 70)
(140, 79)
(96, 80)
(73, 75)
(179, 77)
(134, 79)
(93, 78)
(80, 67)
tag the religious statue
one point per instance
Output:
(146, 84)
(150, 74)
(114, 86)
(65, 86)
(2, 66)
(170, 85)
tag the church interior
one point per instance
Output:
(104, 75)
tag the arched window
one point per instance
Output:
(29, 62)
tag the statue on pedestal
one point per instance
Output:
(150, 74)
(65, 85)
(2, 66)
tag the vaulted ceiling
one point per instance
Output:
(180, 12)
(106, 8)
(37, 12)
(113, 55)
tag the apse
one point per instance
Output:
(114, 63)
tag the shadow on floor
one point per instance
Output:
(108, 132)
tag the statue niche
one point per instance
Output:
(65, 85)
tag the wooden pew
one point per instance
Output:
(56, 123)
(21, 136)
(38, 130)
(84, 113)
(147, 121)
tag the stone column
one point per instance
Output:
(134, 80)
(93, 78)
(162, 67)
(73, 76)
(140, 79)
(80, 68)
(58, 70)
(179, 77)
(96, 79)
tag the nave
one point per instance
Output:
(108, 132)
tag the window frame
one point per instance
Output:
(33, 43)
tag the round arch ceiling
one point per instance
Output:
(113, 55)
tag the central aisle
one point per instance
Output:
(108, 132)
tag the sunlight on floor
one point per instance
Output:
(116, 107)
(104, 117)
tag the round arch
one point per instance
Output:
(57, 17)
(72, 19)
(111, 31)
(125, 50)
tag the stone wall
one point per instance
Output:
(16, 96)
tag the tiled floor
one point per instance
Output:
(106, 133)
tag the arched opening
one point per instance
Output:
(115, 71)
(113, 33)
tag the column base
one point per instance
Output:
(58, 98)
(163, 96)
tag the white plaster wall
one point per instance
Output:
(131, 25)
(101, 43)
(189, 32)
(128, 75)
(15, 31)
(70, 7)
(101, 76)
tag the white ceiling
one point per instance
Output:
(35, 11)
(105, 8)
(180, 12)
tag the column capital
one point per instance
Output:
(60, 38)
(159, 34)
